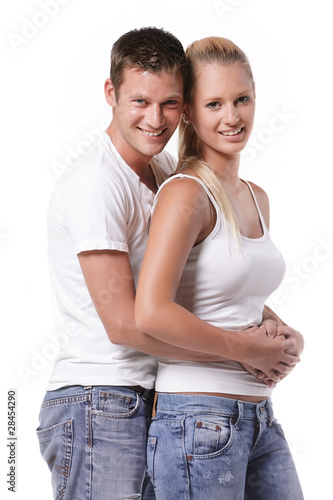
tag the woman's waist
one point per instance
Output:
(227, 379)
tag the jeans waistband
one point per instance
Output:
(89, 391)
(121, 389)
(196, 403)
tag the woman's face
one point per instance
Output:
(222, 109)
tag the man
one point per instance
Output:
(94, 418)
(96, 412)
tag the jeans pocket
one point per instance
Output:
(118, 405)
(211, 436)
(56, 444)
(151, 448)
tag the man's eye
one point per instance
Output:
(213, 105)
(140, 101)
(171, 102)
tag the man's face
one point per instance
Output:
(146, 113)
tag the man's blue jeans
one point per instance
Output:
(213, 448)
(94, 442)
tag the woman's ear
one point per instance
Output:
(110, 93)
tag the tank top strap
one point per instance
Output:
(262, 220)
(186, 176)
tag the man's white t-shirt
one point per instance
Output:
(100, 205)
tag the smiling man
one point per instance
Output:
(96, 412)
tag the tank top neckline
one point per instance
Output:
(261, 238)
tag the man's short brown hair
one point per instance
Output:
(150, 49)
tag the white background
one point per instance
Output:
(54, 63)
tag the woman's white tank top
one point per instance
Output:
(226, 284)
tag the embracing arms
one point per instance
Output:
(109, 279)
(158, 315)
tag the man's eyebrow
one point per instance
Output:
(176, 95)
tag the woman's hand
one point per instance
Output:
(296, 337)
(295, 348)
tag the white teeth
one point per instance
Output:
(151, 134)
(232, 132)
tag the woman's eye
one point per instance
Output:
(244, 99)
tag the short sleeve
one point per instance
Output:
(94, 211)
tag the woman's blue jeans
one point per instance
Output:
(213, 448)
(94, 441)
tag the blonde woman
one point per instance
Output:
(209, 267)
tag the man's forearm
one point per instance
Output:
(269, 314)
(131, 337)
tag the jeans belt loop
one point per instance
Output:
(155, 405)
(240, 414)
(148, 394)
(270, 415)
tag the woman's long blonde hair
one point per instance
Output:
(198, 54)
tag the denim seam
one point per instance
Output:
(61, 401)
(89, 419)
(90, 444)
(185, 461)
(68, 458)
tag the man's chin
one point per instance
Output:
(153, 150)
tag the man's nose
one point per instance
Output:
(154, 116)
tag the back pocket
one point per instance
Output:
(56, 445)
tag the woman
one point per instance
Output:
(209, 267)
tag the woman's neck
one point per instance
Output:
(226, 169)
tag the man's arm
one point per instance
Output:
(109, 279)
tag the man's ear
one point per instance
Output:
(110, 93)
(185, 114)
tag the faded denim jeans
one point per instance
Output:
(213, 448)
(94, 442)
